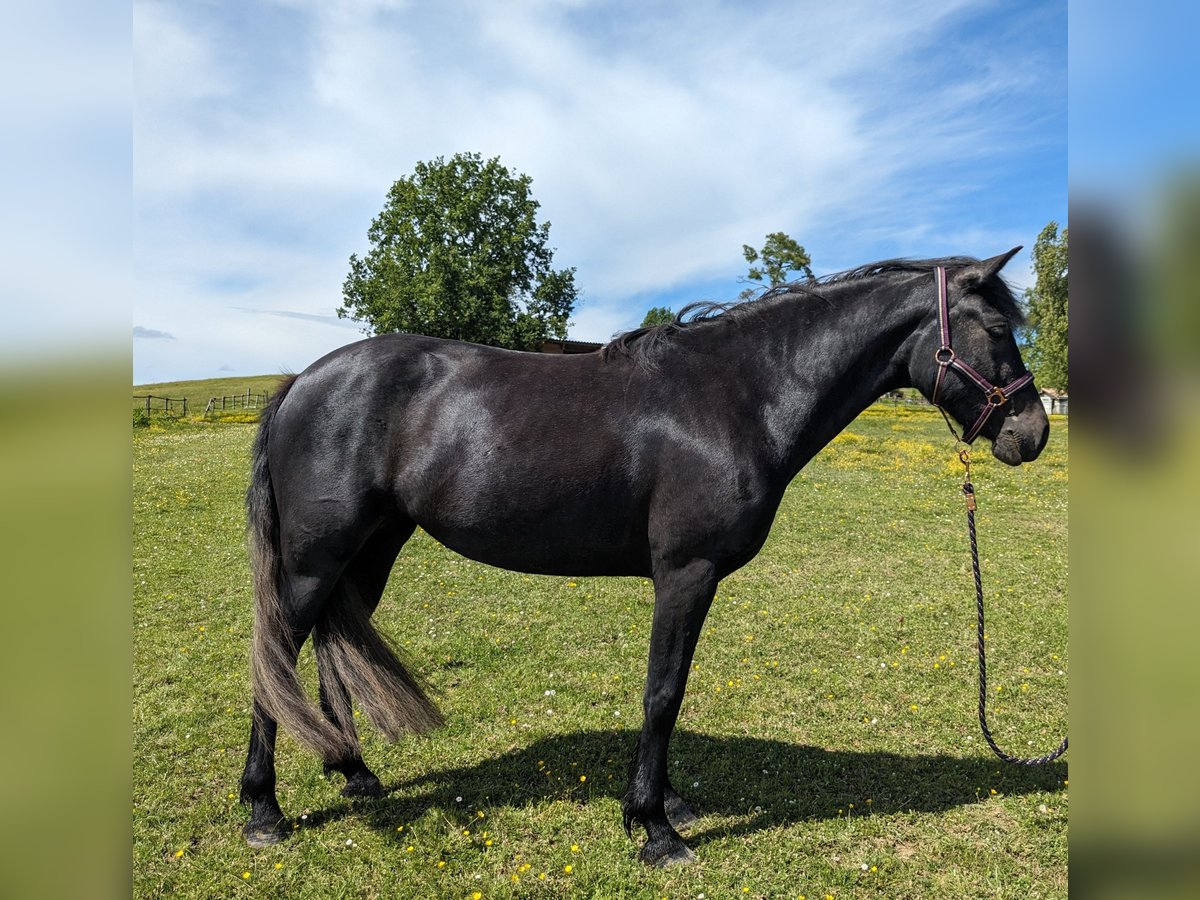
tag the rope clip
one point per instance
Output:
(969, 493)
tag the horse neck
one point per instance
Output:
(824, 359)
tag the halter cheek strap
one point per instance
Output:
(947, 359)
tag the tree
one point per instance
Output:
(457, 252)
(658, 315)
(778, 256)
(1046, 310)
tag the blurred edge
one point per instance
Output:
(65, 642)
(65, 662)
(64, 447)
(1135, 368)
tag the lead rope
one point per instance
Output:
(964, 456)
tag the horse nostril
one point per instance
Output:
(1033, 442)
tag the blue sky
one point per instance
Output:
(660, 137)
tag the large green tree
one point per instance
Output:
(658, 315)
(770, 266)
(457, 252)
(1046, 310)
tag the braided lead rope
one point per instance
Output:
(969, 493)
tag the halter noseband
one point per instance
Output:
(946, 358)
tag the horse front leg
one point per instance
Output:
(682, 596)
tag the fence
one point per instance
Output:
(247, 400)
(166, 402)
(896, 397)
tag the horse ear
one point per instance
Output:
(977, 273)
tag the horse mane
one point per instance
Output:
(644, 346)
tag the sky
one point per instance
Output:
(660, 138)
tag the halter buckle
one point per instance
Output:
(996, 398)
(948, 359)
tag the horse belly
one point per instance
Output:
(591, 529)
(486, 472)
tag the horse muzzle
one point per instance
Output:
(1022, 436)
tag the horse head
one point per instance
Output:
(972, 366)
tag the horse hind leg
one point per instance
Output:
(360, 780)
(266, 825)
(361, 584)
(280, 632)
(353, 658)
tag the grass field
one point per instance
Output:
(197, 393)
(828, 737)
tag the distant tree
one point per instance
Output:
(658, 315)
(457, 252)
(770, 265)
(1046, 310)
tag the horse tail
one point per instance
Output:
(278, 691)
(353, 655)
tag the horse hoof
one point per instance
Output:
(667, 853)
(261, 838)
(680, 815)
(365, 786)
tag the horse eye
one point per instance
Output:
(999, 332)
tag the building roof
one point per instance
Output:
(569, 346)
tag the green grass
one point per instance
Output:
(828, 737)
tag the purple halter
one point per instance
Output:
(947, 359)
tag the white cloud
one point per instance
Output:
(175, 62)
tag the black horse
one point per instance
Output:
(682, 440)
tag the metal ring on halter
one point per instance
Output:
(995, 393)
(948, 360)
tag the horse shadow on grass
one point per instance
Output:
(756, 782)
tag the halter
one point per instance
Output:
(946, 358)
